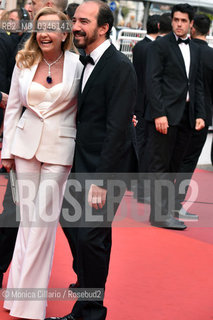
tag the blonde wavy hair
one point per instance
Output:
(31, 53)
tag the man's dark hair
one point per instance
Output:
(165, 21)
(71, 9)
(105, 15)
(152, 24)
(22, 13)
(184, 8)
(201, 24)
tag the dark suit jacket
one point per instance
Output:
(167, 82)
(139, 62)
(8, 46)
(104, 141)
(207, 61)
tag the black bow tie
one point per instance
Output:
(186, 41)
(86, 59)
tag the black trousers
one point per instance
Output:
(165, 153)
(90, 243)
(141, 134)
(8, 230)
(189, 163)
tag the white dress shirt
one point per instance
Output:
(150, 38)
(96, 55)
(185, 50)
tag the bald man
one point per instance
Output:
(58, 4)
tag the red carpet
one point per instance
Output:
(155, 274)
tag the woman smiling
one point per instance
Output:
(39, 143)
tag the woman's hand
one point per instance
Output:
(8, 164)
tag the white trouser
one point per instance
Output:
(41, 188)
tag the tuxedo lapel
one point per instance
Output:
(80, 87)
(178, 52)
(192, 58)
(96, 73)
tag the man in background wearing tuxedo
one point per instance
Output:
(139, 62)
(199, 31)
(165, 24)
(104, 144)
(175, 108)
(157, 26)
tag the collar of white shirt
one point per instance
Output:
(96, 55)
(149, 37)
(99, 51)
(176, 37)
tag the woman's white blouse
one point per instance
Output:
(41, 97)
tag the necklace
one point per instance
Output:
(49, 78)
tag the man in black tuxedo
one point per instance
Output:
(7, 60)
(199, 31)
(139, 62)
(157, 26)
(103, 145)
(175, 107)
(165, 24)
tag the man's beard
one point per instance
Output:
(87, 41)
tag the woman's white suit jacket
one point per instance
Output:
(49, 136)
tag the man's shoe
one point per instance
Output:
(182, 214)
(170, 223)
(74, 285)
(1, 279)
(67, 317)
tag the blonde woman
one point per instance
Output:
(40, 143)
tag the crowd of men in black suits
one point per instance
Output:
(175, 108)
